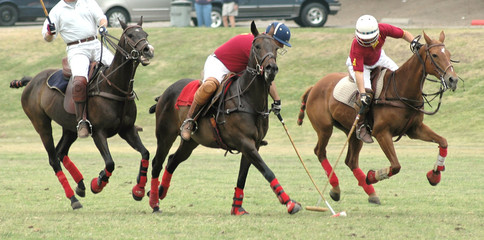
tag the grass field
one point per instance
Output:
(33, 204)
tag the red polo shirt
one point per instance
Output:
(360, 55)
(234, 54)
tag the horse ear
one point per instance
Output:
(140, 22)
(427, 38)
(123, 24)
(253, 29)
(442, 37)
(271, 31)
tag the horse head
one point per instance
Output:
(134, 42)
(263, 54)
(438, 62)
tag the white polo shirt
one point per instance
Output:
(75, 21)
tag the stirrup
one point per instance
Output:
(88, 124)
(194, 126)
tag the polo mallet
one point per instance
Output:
(45, 11)
(317, 208)
(353, 127)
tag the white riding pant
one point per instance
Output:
(214, 68)
(80, 55)
(384, 61)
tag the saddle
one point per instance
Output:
(60, 81)
(346, 91)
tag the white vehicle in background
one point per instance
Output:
(132, 10)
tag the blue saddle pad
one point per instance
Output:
(57, 81)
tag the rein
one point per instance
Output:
(258, 71)
(132, 56)
(418, 105)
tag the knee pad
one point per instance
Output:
(79, 89)
(206, 90)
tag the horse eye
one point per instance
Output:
(434, 55)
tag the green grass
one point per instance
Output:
(33, 204)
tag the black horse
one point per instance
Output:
(241, 123)
(110, 107)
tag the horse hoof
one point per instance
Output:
(238, 211)
(433, 177)
(138, 193)
(293, 207)
(156, 210)
(75, 204)
(374, 200)
(80, 192)
(334, 195)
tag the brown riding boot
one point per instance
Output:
(203, 94)
(362, 132)
(79, 95)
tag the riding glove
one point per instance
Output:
(365, 99)
(51, 28)
(276, 107)
(103, 30)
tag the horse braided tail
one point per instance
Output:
(304, 99)
(153, 108)
(20, 83)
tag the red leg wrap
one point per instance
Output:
(65, 184)
(237, 204)
(95, 186)
(442, 151)
(139, 189)
(279, 191)
(165, 183)
(71, 167)
(433, 177)
(327, 167)
(360, 176)
(154, 202)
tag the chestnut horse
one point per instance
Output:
(241, 123)
(397, 112)
(110, 107)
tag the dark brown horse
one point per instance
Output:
(241, 124)
(111, 110)
(397, 112)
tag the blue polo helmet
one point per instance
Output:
(281, 33)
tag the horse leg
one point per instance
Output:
(320, 151)
(424, 133)
(62, 150)
(159, 192)
(352, 161)
(42, 125)
(386, 144)
(132, 138)
(97, 184)
(237, 208)
(253, 155)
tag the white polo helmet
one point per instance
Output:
(367, 30)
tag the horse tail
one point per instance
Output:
(304, 99)
(153, 108)
(20, 83)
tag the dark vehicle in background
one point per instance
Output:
(12, 11)
(306, 13)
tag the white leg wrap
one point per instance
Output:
(439, 164)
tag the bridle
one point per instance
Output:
(129, 56)
(441, 72)
(259, 68)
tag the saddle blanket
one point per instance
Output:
(57, 81)
(346, 91)
(187, 94)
